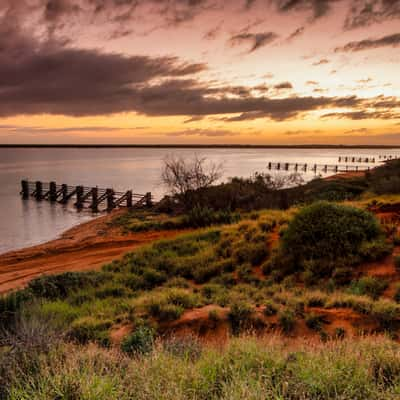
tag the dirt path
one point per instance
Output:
(84, 247)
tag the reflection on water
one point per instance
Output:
(24, 223)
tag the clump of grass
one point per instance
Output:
(240, 316)
(370, 286)
(270, 308)
(186, 347)
(386, 312)
(90, 329)
(287, 320)
(314, 321)
(141, 341)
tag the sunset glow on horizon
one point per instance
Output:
(200, 72)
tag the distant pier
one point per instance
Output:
(92, 198)
(307, 167)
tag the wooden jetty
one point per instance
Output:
(306, 167)
(89, 197)
(352, 159)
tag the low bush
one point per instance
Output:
(59, 286)
(240, 316)
(141, 341)
(323, 237)
(287, 320)
(270, 308)
(165, 312)
(90, 329)
(253, 253)
(314, 321)
(370, 286)
(386, 312)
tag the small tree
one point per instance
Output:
(184, 177)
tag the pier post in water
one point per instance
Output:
(64, 193)
(79, 196)
(110, 199)
(25, 189)
(52, 191)
(95, 202)
(38, 190)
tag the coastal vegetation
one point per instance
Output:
(286, 293)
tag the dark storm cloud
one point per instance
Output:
(366, 12)
(366, 44)
(256, 40)
(318, 8)
(362, 114)
(60, 80)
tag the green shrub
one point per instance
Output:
(111, 290)
(90, 329)
(386, 312)
(203, 273)
(253, 253)
(370, 286)
(10, 305)
(240, 316)
(316, 300)
(165, 312)
(323, 235)
(59, 286)
(141, 341)
(287, 320)
(270, 308)
(314, 321)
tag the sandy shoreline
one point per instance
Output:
(84, 247)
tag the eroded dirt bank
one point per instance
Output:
(84, 247)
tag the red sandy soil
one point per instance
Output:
(84, 247)
(346, 175)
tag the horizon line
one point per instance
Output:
(204, 146)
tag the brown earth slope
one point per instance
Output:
(84, 247)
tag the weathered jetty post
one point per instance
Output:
(25, 189)
(64, 193)
(52, 191)
(149, 202)
(95, 196)
(85, 197)
(79, 197)
(110, 199)
(129, 199)
(39, 190)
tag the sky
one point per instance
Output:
(200, 72)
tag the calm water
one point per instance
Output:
(25, 223)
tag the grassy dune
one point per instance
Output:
(248, 368)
